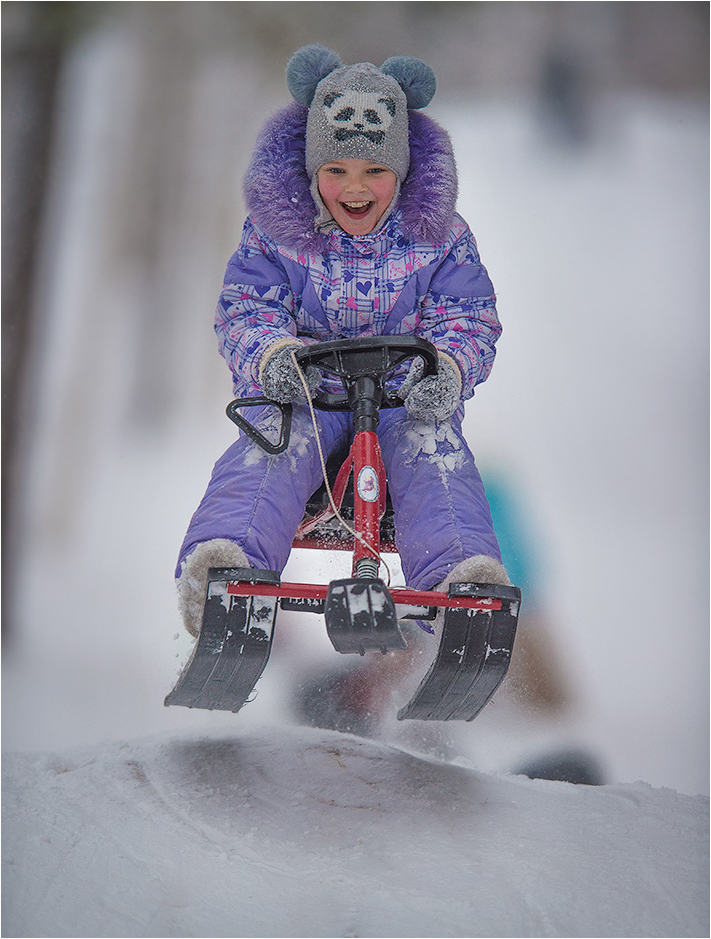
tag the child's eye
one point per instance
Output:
(376, 169)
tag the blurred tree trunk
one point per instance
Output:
(35, 36)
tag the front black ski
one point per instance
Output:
(361, 617)
(233, 646)
(472, 659)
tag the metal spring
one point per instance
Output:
(367, 567)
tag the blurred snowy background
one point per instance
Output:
(581, 131)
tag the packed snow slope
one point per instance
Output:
(300, 832)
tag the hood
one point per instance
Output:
(277, 189)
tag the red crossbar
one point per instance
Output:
(402, 596)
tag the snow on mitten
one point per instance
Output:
(436, 397)
(192, 582)
(478, 569)
(279, 377)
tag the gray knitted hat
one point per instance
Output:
(358, 111)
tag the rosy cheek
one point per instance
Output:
(328, 200)
(327, 189)
(384, 190)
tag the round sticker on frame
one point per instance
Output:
(367, 485)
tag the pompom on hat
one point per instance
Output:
(358, 111)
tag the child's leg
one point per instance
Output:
(257, 500)
(442, 516)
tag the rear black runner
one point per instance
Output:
(233, 646)
(472, 660)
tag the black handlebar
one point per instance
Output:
(362, 366)
(372, 356)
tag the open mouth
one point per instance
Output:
(356, 209)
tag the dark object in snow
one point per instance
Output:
(342, 701)
(571, 766)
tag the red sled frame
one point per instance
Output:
(362, 614)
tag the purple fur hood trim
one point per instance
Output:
(277, 189)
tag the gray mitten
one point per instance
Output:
(436, 397)
(279, 377)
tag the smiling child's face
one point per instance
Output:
(356, 193)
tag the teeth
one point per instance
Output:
(356, 205)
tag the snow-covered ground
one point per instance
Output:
(300, 832)
(173, 822)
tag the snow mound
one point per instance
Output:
(292, 831)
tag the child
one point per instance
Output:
(352, 232)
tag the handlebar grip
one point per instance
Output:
(251, 431)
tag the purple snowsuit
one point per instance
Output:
(418, 274)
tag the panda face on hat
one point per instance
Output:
(358, 111)
(354, 115)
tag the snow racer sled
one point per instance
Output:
(361, 613)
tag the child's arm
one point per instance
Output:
(255, 309)
(458, 312)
